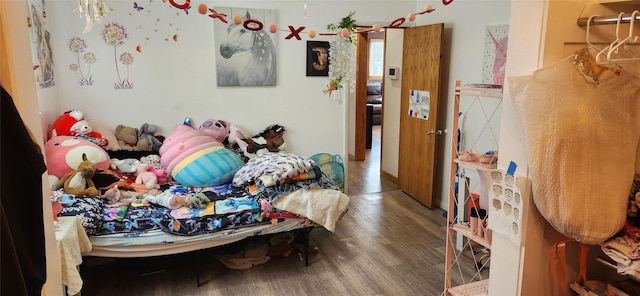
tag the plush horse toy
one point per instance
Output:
(269, 140)
(79, 182)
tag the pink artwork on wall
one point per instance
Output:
(495, 54)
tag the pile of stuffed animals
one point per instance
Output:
(79, 149)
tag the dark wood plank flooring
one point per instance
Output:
(386, 244)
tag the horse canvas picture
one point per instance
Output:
(245, 52)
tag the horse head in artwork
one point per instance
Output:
(250, 37)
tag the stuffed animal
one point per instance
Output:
(153, 160)
(165, 199)
(197, 200)
(125, 166)
(218, 129)
(73, 123)
(144, 176)
(116, 196)
(128, 139)
(269, 140)
(64, 154)
(187, 151)
(239, 137)
(156, 167)
(107, 133)
(147, 134)
(79, 182)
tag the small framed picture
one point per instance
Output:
(317, 58)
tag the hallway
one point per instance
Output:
(364, 176)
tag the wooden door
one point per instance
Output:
(421, 59)
(362, 68)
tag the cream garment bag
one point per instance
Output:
(581, 127)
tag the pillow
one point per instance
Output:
(208, 167)
(106, 133)
(374, 88)
(279, 166)
(64, 154)
(374, 99)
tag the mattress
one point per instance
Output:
(158, 243)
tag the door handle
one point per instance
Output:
(438, 132)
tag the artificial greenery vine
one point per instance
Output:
(345, 23)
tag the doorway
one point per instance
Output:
(369, 91)
(365, 174)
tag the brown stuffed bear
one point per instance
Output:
(128, 139)
(79, 182)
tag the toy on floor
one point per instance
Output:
(79, 182)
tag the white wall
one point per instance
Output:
(173, 80)
(392, 93)
(22, 84)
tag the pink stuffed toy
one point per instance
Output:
(144, 176)
(156, 167)
(184, 141)
(218, 129)
(239, 137)
(64, 154)
(194, 158)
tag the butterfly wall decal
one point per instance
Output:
(137, 7)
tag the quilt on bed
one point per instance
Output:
(229, 207)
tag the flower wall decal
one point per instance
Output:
(126, 59)
(77, 45)
(115, 35)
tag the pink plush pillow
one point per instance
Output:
(106, 133)
(64, 153)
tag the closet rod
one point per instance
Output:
(605, 20)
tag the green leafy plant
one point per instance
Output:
(346, 22)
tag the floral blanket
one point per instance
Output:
(229, 207)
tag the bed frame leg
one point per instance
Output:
(198, 269)
(306, 245)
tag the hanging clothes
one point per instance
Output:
(21, 211)
(581, 128)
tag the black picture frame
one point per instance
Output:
(317, 58)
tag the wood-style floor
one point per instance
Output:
(386, 244)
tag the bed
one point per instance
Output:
(294, 205)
